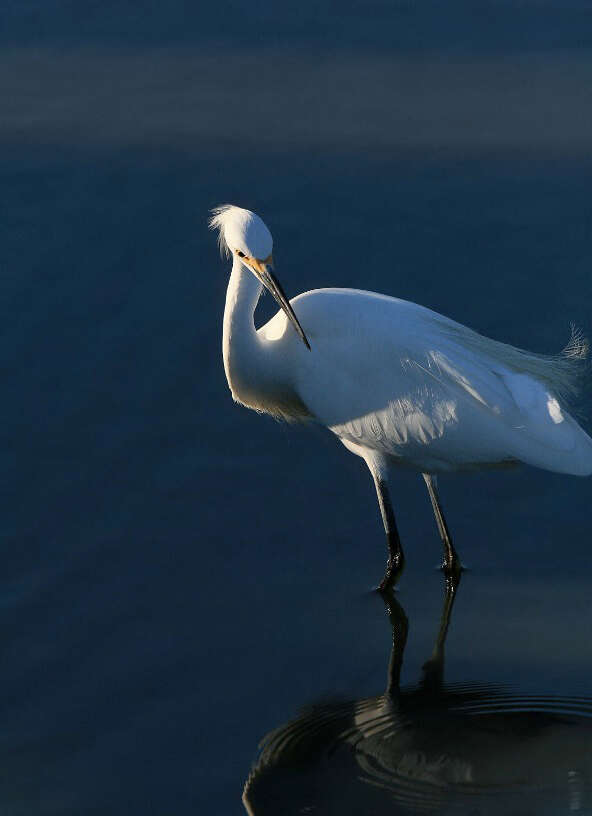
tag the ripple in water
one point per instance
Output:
(431, 748)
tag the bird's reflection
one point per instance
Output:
(431, 748)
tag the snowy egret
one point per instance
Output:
(397, 383)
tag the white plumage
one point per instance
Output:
(397, 383)
(399, 379)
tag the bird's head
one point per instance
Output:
(243, 235)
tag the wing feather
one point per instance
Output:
(406, 382)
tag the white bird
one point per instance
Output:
(397, 383)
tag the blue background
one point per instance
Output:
(180, 575)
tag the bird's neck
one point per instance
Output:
(257, 375)
(241, 347)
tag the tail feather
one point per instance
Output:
(578, 346)
(562, 374)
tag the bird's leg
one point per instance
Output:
(451, 564)
(433, 668)
(400, 627)
(396, 559)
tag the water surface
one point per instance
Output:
(182, 577)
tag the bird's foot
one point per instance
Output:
(392, 573)
(452, 568)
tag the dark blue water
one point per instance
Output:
(180, 576)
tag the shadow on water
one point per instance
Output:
(432, 747)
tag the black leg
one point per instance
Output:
(433, 669)
(451, 564)
(396, 559)
(400, 626)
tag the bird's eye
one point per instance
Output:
(240, 254)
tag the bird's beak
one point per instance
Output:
(262, 270)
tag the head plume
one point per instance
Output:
(240, 229)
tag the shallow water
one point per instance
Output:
(182, 577)
(432, 747)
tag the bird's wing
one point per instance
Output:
(402, 380)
